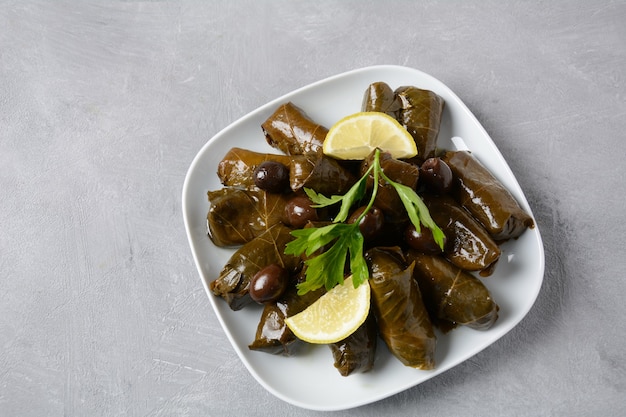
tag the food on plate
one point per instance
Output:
(422, 240)
(300, 211)
(269, 283)
(317, 172)
(293, 132)
(272, 334)
(356, 353)
(233, 283)
(345, 239)
(468, 245)
(436, 176)
(362, 232)
(358, 135)
(453, 296)
(420, 113)
(484, 196)
(417, 110)
(380, 97)
(387, 199)
(334, 316)
(272, 176)
(237, 216)
(403, 322)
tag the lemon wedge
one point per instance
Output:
(334, 316)
(357, 135)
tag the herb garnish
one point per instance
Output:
(327, 269)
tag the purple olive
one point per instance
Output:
(371, 224)
(422, 241)
(272, 177)
(299, 211)
(269, 283)
(436, 175)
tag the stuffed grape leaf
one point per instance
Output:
(319, 172)
(381, 98)
(293, 132)
(233, 282)
(420, 113)
(403, 321)
(356, 353)
(468, 245)
(236, 216)
(484, 196)
(272, 335)
(453, 296)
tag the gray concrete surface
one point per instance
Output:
(103, 106)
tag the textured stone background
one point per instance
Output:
(103, 106)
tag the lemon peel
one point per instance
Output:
(355, 136)
(334, 316)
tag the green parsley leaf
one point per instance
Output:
(354, 194)
(417, 210)
(321, 200)
(327, 269)
(358, 266)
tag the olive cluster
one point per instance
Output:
(273, 177)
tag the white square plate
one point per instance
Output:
(309, 380)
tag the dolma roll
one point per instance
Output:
(237, 216)
(356, 352)
(321, 173)
(381, 98)
(233, 283)
(236, 169)
(293, 132)
(403, 321)
(468, 245)
(484, 196)
(272, 335)
(453, 296)
(420, 113)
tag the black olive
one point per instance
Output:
(268, 284)
(271, 176)
(436, 175)
(371, 224)
(299, 211)
(421, 241)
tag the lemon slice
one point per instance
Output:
(334, 316)
(357, 135)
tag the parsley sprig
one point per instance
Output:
(327, 269)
